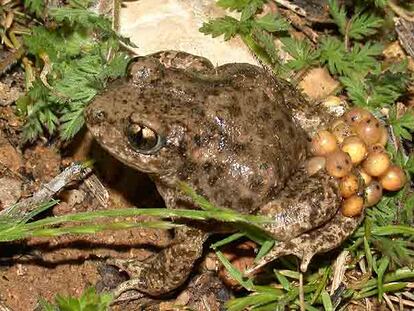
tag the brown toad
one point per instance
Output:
(235, 134)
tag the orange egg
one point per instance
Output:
(356, 115)
(323, 143)
(348, 185)
(373, 194)
(376, 163)
(338, 164)
(384, 136)
(393, 179)
(355, 147)
(352, 206)
(369, 130)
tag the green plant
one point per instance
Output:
(76, 56)
(88, 301)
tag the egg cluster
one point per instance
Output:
(353, 150)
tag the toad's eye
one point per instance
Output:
(143, 139)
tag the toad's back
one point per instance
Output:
(228, 134)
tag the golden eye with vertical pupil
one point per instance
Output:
(143, 139)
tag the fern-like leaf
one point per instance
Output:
(302, 52)
(227, 26)
(363, 25)
(338, 14)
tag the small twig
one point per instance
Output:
(388, 302)
(405, 31)
(339, 271)
(287, 4)
(300, 25)
(301, 293)
(74, 172)
(346, 35)
(98, 190)
(116, 15)
(47, 68)
(10, 59)
(402, 301)
(368, 305)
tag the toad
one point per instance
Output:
(238, 136)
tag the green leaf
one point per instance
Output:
(266, 42)
(81, 17)
(227, 240)
(234, 273)
(326, 300)
(81, 4)
(368, 254)
(322, 284)
(264, 249)
(302, 52)
(376, 90)
(383, 264)
(355, 63)
(332, 52)
(249, 10)
(32, 129)
(356, 90)
(363, 25)
(72, 121)
(408, 205)
(403, 125)
(362, 58)
(227, 26)
(49, 120)
(233, 4)
(256, 300)
(338, 14)
(272, 23)
(89, 301)
(35, 6)
(282, 280)
(380, 3)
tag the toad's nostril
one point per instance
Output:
(97, 116)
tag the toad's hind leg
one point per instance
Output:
(307, 245)
(166, 270)
(307, 219)
(306, 203)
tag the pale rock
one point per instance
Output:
(318, 84)
(156, 25)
